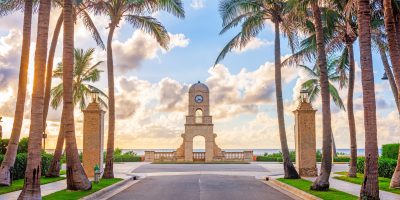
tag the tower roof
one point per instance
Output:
(198, 87)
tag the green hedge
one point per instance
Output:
(390, 151)
(341, 159)
(18, 170)
(127, 158)
(277, 157)
(386, 166)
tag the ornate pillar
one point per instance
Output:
(304, 131)
(93, 138)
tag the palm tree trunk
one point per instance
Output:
(9, 158)
(322, 181)
(394, 52)
(54, 169)
(49, 70)
(31, 189)
(369, 188)
(108, 170)
(289, 169)
(350, 114)
(76, 177)
(390, 76)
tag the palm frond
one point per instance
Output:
(336, 97)
(89, 24)
(151, 26)
(233, 43)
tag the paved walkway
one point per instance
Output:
(354, 189)
(121, 170)
(200, 187)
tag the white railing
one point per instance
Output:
(164, 155)
(199, 156)
(233, 155)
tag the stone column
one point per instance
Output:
(189, 150)
(304, 131)
(93, 138)
(209, 156)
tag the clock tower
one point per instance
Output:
(199, 123)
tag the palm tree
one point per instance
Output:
(313, 87)
(133, 12)
(31, 189)
(369, 188)
(83, 72)
(252, 15)
(76, 177)
(83, 15)
(9, 158)
(391, 17)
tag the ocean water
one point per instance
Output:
(257, 152)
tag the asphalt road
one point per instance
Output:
(200, 167)
(200, 187)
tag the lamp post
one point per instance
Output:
(304, 96)
(95, 96)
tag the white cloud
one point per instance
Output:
(253, 44)
(140, 46)
(197, 4)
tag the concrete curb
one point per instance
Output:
(111, 190)
(294, 191)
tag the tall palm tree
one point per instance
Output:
(83, 15)
(308, 13)
(134, 13)
(84, 73)
(391, 17)
(252, 15)
(9, 158)
(31, 189)
(76, 177)
(369, 188)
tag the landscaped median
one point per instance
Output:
(383, 182)
(301, 188)
(73, 195)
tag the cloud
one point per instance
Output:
(140, 46)
(253, 44)
(197, 4)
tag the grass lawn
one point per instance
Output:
(213, 162)
(18, 184)
(70, 195)
(304, 185)
(383, 182)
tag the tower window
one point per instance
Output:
(199, 116)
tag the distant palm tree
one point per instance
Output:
(313, 87)
(76, 176)
(31, 189)
(252, 16)
(9, 158)
(134, 12)
(84, 74)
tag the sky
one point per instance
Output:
(152, 84)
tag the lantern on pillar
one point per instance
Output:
(95, 96)
(304, 95)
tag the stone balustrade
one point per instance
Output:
(151, 156)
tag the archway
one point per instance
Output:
(199, 148)
(199, 116)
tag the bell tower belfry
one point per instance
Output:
(199, 123)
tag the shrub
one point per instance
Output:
(127, 158)
(390, 151)
(386, 166)
(23, 145)
(341, 159)
(266, 159)
(117, 151)
(18, 170)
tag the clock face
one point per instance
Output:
(198, 99)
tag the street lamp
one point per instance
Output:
(95, 95)
(384, 77)
(303, 95)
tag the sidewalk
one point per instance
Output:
(121, 170)
(354, 189)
